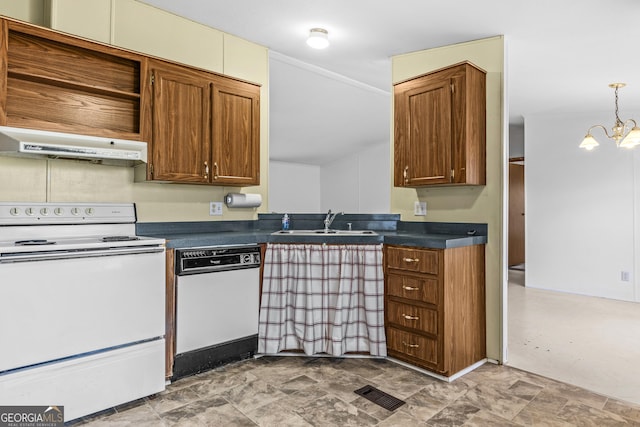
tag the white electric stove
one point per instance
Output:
(82, 323)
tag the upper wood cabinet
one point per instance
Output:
(440, 128)
(205, 127)
(180, 118)
(236, 133)
(201, 127)
(52, 81)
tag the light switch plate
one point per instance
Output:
(215, 208)
(420, 208)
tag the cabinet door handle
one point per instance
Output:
(405, 174)
(410, 259)
(206, 170)
(410, 288)
(215, 170)
(408, 317)
(410, 345)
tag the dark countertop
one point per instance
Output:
(387, 226)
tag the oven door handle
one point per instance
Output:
(80, 253)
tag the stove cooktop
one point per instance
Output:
(46, 227)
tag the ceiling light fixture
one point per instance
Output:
(318, 38)
(623, 133)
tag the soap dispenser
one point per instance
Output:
(285, 222)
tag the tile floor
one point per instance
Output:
(589, 342)
(298, 391)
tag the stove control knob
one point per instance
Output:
(45, 211)
(14, 211)
(89, 211)
(30, 211)
(75, 211)
(58, 211)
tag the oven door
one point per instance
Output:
(60, 308)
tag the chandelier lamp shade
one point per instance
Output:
(626, 134)
(318, 38)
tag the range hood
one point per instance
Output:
(37, 143)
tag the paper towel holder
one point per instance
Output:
(243, 200)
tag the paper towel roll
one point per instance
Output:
(240, 200)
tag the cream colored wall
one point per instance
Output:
(467, 204)
(26, 10)
(90, 19)
(145, 29)
(140, 27)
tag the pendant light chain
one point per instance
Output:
(618, 121)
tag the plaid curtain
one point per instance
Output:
(322, 299)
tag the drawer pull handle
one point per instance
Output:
(410, 288)
(410, 345)
(410, 259)
(408, 317)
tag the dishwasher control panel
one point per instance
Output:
(216, 258)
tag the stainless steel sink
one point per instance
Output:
(326, 233)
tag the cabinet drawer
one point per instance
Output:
(410, 259)
(413, 288)
(417, 346)
(410, 316)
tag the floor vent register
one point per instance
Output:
(380, 397)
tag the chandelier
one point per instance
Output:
(626, 134)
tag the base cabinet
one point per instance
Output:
(435, 307)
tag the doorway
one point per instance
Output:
(516, 256)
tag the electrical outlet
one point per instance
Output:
(625, 276)
(215, 208)
(420, 208)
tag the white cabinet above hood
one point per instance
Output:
(37, 143)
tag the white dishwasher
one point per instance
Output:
(217, 303)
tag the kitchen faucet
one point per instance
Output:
(329, 219)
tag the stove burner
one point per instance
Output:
(119, 238)
(34, 242)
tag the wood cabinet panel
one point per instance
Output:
(180, 122)
(236, 133)
(464, 305)
(428, 110)
(411, 259)
(418, 348)
(170, 312)
(416, 288)
(440, 128)
(414, 317)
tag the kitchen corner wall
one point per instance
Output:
(294, 187)
(137, 26)
(357, 183)
(582, 208)
(468, 204)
